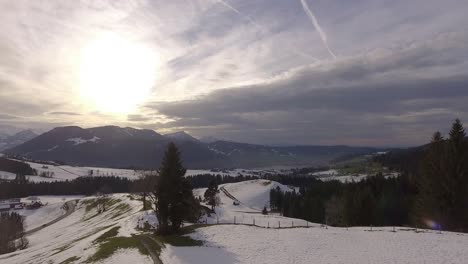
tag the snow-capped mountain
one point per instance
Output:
(112, 146)
(10, 141)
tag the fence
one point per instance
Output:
(263, 221)
(279, 222)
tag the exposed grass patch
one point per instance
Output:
(266, 183)
(97, 230)
(132, 197)
(120, 210)
(93, 203)
(148, 204)
(70, 260)
(112, 244)
(108, 234)
(181, 239)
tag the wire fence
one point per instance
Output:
(279, 222)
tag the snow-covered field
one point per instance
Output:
(334, 175)
(245, 244)
(75, 235)
(65, 172)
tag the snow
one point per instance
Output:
(147, 217)
(325, 173)
(254, 194)
(74, 235)
(195, 255)
(51, 210)
(334, 175)
(127, 256)
(53, 148)
(244, 244)
(79, 141)
(237, 172)
(248, 244)
(65, 172)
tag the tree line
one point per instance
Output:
(12, 235)
(78, 186)
(431, 191)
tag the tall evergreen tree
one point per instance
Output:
(174, 199)
(443, 181)
(211, 194)
(431, 202)
(458, 176)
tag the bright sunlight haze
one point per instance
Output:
(116, 74)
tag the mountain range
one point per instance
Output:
(112, 146)
(9, 141)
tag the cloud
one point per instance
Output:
(64, 113)
(7, 117)
(247, 70)
(366, 99)
(137, 117)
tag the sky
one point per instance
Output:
(308, 72)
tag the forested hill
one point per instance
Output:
(405, 160)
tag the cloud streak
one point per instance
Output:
(317, 26)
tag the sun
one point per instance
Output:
(116, 75)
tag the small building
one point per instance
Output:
(8, 204)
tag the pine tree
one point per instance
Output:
(457, 182)
(443, 181)
(211, 194)
(174, 199)
(431, 201)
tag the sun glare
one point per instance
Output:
(116, 74)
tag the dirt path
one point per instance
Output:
(153, 254)
(70, 206)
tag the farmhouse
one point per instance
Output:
(8, 204)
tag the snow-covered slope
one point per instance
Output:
(251, 197)
(75, 235)
(245, 244)
(254, 194)
(62, 173)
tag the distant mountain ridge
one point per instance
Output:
(112, 146)
(10, 141)
(181, 136)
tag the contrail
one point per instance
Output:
(235, 10)
(322, 34)
(239, 13)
